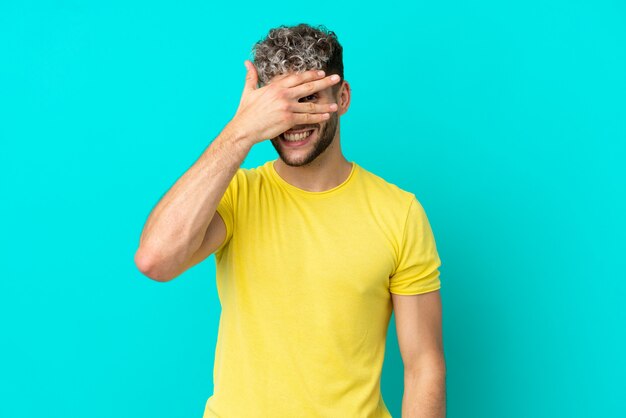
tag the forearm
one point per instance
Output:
(176, 226)
(424, 393)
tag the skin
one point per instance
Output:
(419, 328)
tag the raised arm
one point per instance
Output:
(182, 229)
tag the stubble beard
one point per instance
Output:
(325, 138)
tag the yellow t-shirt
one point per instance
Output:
(304, 281)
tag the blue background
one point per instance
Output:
(506, 119)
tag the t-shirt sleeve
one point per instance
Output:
(417, 269)
(226, 208)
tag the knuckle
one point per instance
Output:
(305, 76)
(284, 105)
(281, 90)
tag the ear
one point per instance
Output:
(343, 98)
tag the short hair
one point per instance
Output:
(298, 48)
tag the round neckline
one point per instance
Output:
(284, 183)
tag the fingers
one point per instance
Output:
(308, 118)
(251, 76)
(311, 87)
(310, 107)
(292, 80)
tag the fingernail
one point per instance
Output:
(334, 77)
(320, 73)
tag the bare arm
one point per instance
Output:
(182, 229)
(177, 225)
(418, 324)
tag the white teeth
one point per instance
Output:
(297, 137)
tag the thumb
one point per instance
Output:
(251, 76)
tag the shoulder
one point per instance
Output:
(386, 193)
(249, 179)
(250, 174)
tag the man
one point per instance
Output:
(313, 252)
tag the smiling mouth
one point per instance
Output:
(295, 136)
(296, 139)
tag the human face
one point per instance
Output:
(322, 134)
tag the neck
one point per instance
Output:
(328, 170)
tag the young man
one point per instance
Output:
(313, 252)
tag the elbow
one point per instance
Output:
(432, 364)
(148, 265)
